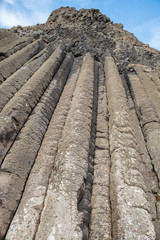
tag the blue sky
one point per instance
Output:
(141, 17)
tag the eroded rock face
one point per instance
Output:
(79, 131)
(71, 14)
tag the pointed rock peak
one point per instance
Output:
(70, 14)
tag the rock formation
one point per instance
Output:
(79, 131)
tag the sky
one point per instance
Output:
(140, 17)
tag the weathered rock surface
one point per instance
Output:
(79, 131)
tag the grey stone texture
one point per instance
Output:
(17, 110)
(71, 164)
(30, 139)
(9, 65)
(9, 87)
(100, 226)
(128, 197)
(79, 131)
(30, 207)
(11, 43)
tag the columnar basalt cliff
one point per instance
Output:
(79, 131)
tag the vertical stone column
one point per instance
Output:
(149, 120)
(100, 226)
(60, 218)
(26, 220)
(131, 218)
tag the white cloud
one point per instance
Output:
(9, 1)
(39, 11)
(24, 12)
(9, 18)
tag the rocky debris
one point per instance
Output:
(71, 14)
(79, 131)
(88, 30)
